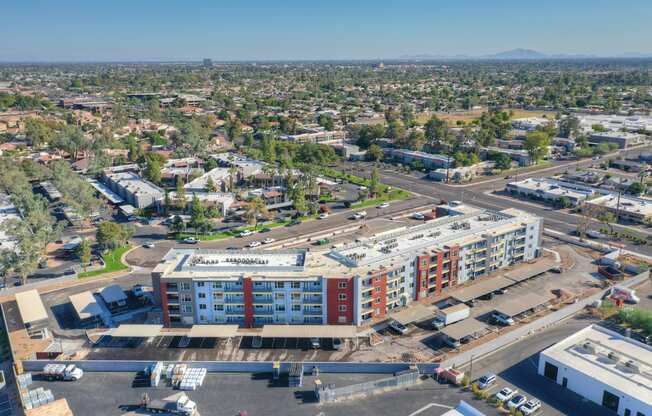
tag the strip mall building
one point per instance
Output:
(354, 284)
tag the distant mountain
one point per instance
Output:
(517, 54)
(521, 54)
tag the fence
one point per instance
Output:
(487, 348)
(331, 393)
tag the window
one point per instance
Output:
(186, 308)
(279, 285)
(200, 284)
(342, 308)
(342, 296)
(217, 285)
(202, 295)
(296, 308)
(295, 285)
(341, 319)
(219, 296)
(377, 290)
(185, 286)
(186, 298)
(610, 401)
(218, 307)
(296, 296)
(280, 308)
(279, 296)
(341, 285)
(202, 306)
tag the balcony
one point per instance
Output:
(234, 299)
(312, 299)
(312, 312)
(264, 300)
(235, 311)
(263, 311)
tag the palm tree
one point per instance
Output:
(256, 208)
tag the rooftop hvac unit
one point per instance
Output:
(633, 366)
(613, 356)
(590, 347)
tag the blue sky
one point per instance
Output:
(91, 30)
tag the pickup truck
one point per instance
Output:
(177, 404)
(62, 372)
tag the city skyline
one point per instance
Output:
(291, 30)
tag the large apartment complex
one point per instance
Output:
(354, 284)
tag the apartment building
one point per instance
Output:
(134, 189)
(355, 284)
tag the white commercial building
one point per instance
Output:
(626, 207)
(7, 212)
(605, 367)
(550, 190)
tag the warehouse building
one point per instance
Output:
(605, 367)
(354, 284)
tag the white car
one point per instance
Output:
(254, 244)
(190, 240)
(505, 394)
(418, 216)
(383, 205)
(148, 245)
(516, 401)
(530, 407)
(246, 233)
(323, 216)
(501, 319)
(396, 326)
(486, 380)
(268, 240)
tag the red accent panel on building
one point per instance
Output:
(164, 304)
(423, 263)
(454, 256)
(247, 288)
(333, 302)
(440, 271)
(379, 295)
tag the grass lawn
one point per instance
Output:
(112, 263)
(232, 233)
(468, 116)
(394, 195)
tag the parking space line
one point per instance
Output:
(428, 406)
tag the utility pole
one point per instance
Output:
(471, 369)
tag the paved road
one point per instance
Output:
(479, 194)
(144, 257)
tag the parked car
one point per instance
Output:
(245, 233)
(418, 216)
(502, 291)
(501, 319)
(397, 327)
(254, 244)
(486, 380)
(315, 343)
(295, 221)
(383, 205)
(338, 343)
(505, 394)
(516, 401)
(257, 342)
(453, 343)
(530, 407)
(323, 216)
(138, 290)
(268, 240)
(190, 240)
(148, 245)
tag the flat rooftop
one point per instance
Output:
(439, 233)
(591, 352)
(628, 203)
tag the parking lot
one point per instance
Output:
(258, 394)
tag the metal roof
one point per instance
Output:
(309, 331)
(85, 305)
(520, 304)
(482, 287)
(112, 293)
(212, 331)
(30, 306)
(413, 313)
(135, 331)
(525, 271)
(464, 328)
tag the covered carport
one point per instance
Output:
(413, 313)
(516, 306)
(466, 328)
(128, 335)
(481, 288)
(527, 271)
(298, 336)
(207, 336)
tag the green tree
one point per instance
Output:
(84, 253)
(153, 165)
(536, 144)
(180, 195)
(326, 121)
(256, 208)
(636, 188)
(111, 235)
(298, 197)
(607, 218)
(375, 187)
(177, 226)
(210, 185)
(197, 215)
(374, 153)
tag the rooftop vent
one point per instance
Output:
(633, 366)
(613, 356)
